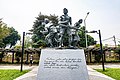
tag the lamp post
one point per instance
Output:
(23, 41)
(101, 49)
(85, 29)
(22, 51)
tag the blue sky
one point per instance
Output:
(104, 14)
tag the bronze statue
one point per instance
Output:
(52, 34)
(55, 35)
(74, 32)
(64, 24)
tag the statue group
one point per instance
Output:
(56, 34)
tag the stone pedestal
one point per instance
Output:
(62, 64)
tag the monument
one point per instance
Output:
(64, 24)
(66, 64)
(63, 63)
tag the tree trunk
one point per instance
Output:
(1, 59)
(12, 57)
(90, 57)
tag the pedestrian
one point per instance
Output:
(31, 59)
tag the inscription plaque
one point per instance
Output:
(64, 64)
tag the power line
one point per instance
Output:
(113, 39)
(117, 38)
(107, 39)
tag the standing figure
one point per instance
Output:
(74, 31)
(31, 60)
(52, 37)
(46, 24)
(51, 33)
(64, 24)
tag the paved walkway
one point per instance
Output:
(93, 75)
(18, 67)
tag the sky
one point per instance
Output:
(104, 14)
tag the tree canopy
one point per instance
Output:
(90, 39)
(9, 36)
(4, 30)
(12, 38)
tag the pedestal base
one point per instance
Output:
(62, 64)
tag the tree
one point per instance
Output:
(28, 42)
(4, 32)
(82, 42)
(12, 38)
(1, 56)
(1, 43)
(7, 36)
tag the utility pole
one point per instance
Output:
(101, 50)
(114, 40)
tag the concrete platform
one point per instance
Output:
(93, 75)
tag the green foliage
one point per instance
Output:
(8, 36)
(112, 72)
(97, 45)
(1, 43)
(18, 47)
(119, 44)
(118, 52)
(90, 39)
(40, 43)
(54, 19)
(12, 38)
(11, 74)
(28, 42)
(4, 30)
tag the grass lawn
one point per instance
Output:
(11, 74)
(112, 72)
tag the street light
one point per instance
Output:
(23, 41)
(85, 29)
(22, 51)
(101, 49)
